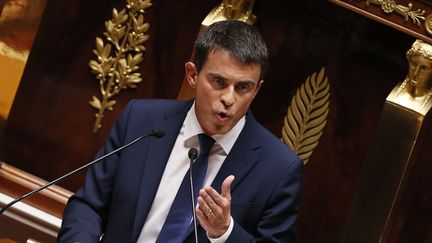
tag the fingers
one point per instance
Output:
(206, 209)
(210, 201)
(214, 209)
(213, 199)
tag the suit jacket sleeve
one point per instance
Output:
(86, 212)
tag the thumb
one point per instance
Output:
(226, 187)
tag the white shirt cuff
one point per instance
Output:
(225, 236)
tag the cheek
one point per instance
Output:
(412, 69)
(424, 74)
(427, 72)
(243, 105)
(206, 98)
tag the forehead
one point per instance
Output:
(420, 59)
(221, 62)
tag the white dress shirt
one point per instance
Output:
(178, 165)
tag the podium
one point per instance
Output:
(36, 219)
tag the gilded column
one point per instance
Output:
(392, 152)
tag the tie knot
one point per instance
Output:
(206, 143)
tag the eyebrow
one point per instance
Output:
(217, 75)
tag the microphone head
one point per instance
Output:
(158, 133)
(193, 153)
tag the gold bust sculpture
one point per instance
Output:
(415, 92)
(232, 9)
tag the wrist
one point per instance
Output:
(224, 236)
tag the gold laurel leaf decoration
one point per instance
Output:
(306, 116)
(119, 55)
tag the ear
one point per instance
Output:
(260, 83)
(191, 73)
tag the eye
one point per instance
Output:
(424, 67)
(219, 82)
(243, 87)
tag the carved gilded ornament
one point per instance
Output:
(306, 116)
(428, 24)
(232, 9)
(390, 6)
(119, 55)
(422, 48)
(415, 91)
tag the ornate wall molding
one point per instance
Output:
(390, 6)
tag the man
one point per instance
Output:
(251, 188)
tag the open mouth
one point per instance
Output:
(222, 115)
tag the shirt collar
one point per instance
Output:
(226, 141)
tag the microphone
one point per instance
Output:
(193, 154)
(157, 133)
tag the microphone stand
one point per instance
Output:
(193, 154)
(157, 133)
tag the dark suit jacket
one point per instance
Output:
(119, 191)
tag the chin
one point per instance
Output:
(218, 131)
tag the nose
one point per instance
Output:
(228, 96)
(414, 71)
(417, 70)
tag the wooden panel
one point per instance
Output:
(50, 124)
(37, 217)
(20, 226)
(364, 60)
(411, 218)
(15, 182)
(404, 15)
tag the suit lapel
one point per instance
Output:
(155, 162)
(240, 160)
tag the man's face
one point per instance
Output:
(225, 88)
(420, 71)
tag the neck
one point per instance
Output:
(415, 91)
